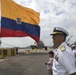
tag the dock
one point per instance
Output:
(25, 64)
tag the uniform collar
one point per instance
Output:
(61, 45)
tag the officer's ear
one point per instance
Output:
(63, 37)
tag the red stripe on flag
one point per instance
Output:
(12, 33)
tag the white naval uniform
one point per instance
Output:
(65, 62)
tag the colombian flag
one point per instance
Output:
(18, 21)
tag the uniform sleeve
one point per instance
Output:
(68, 61)
(74, 51)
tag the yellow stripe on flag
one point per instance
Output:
(12, 10)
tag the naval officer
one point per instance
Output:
(64, 60)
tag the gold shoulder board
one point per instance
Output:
(62, 48)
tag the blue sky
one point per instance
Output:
(53, 13)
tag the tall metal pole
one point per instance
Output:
(0, 42)
(69, 38)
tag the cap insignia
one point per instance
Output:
(62, 48)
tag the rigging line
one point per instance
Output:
(69, 38)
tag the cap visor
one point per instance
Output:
(55, 33)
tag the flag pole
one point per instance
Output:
(0, 42)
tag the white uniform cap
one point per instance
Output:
(58, 30)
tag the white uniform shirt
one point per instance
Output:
(74, 51)
(64, 61)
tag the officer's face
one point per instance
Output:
(57, 39)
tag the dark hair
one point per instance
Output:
(52, 53)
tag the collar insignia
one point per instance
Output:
(62, 48)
